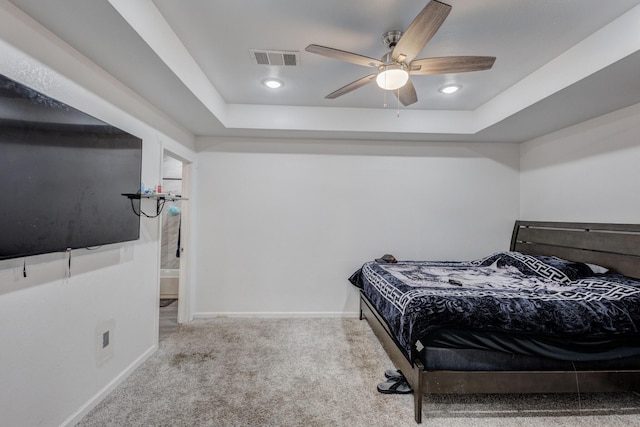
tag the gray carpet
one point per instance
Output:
(313, 372)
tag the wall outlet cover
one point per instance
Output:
(105, 341)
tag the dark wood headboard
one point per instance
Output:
(614, 246)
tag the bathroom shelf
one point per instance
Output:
(160, 199)
(157, 196)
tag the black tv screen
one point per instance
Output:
(63, 174)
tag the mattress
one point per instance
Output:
(508, 302)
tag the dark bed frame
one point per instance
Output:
(614, 246)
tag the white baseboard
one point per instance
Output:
(95, 400)
(278, 315)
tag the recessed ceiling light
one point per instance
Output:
(449, 89)
(272, 83)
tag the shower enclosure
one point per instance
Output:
(170, 251)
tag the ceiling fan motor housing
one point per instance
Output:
(391, 38)
(388, 60)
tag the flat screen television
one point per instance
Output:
(63, 174)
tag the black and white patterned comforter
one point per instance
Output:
(505, 292)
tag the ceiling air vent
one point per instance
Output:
(275, 57)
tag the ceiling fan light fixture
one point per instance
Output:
(392, 77)
(272, 83)
(393, 69)
(450, 89)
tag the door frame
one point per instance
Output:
(185, 285)
(185, 299)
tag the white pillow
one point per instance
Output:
(598, 269)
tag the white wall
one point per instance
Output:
(48, 370)
(281, 225)
(588, 172)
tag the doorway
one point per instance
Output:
(173, 223)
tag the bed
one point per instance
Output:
(557, 313)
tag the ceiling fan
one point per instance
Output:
(394, 68)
